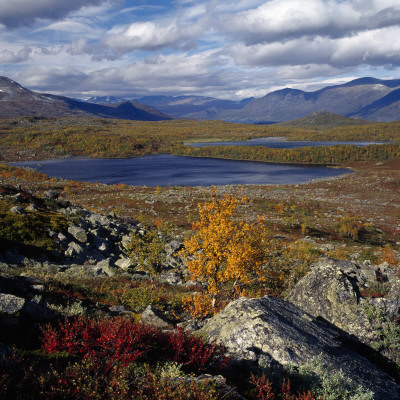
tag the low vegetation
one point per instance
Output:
(40, 138)
(253, 242)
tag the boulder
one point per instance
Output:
(171, 277)
(333, 290)
(124, 263)
(105, 267)
(74, 250)
(78, 233)
(32, 207)
(153, 317)
(267, 330)
(18, 210)
(51, 194)
(10, 304)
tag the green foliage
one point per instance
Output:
(368, 255)
(47, 138)
(32, 228)
(147, 248)
(329, 383)
(387, 332)
(305, 155)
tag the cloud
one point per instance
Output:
(173, 74)
(375, 48)
(10, 57)
(280, 20)
(15, 13)
(149, 36)
(180, 32)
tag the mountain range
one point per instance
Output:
(365, 98)
(16, 101)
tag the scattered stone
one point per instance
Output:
(17, 197)
(74, 250)
(119, 310)
(78, 233)
(10, 304)
(18, 210)
(124, 263)
(106, 267)
(32, 207)
(51, 194)
(152, 316)
(61, 237)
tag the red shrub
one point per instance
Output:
(264, 391)
(121, 340)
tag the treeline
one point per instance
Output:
(310, 155)
(376, 132)
(40, 138)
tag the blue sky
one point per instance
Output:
(219, 48)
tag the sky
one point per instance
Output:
(219, 48)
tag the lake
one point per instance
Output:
(278, 143)
(166, 169)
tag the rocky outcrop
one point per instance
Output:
(335, 290)
(268, 329)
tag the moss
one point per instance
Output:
(32, 228)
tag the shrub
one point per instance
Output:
(121, 340)
(264, 391)
(330, 384)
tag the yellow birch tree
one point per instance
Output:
(224, 253)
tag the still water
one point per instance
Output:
(166, 169)
(278, 143)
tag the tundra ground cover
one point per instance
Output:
(355, 216)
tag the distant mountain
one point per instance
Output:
(104, 100)
(16, 101)
(362, 98)
(365, 98)
(324, 120)
(188, 106)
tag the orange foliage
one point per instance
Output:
(387, 255)
(223, 253)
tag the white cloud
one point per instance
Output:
(280, 20)
(8, 57)
(219, 48)
(376, 48)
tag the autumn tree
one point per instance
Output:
(225, 254)
(147, 248)
(350, 226)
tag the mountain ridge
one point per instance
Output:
(364, 98)
(17, 101)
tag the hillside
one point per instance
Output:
(16, 101)
(323, 120)
(368, 98)
(365, 98)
